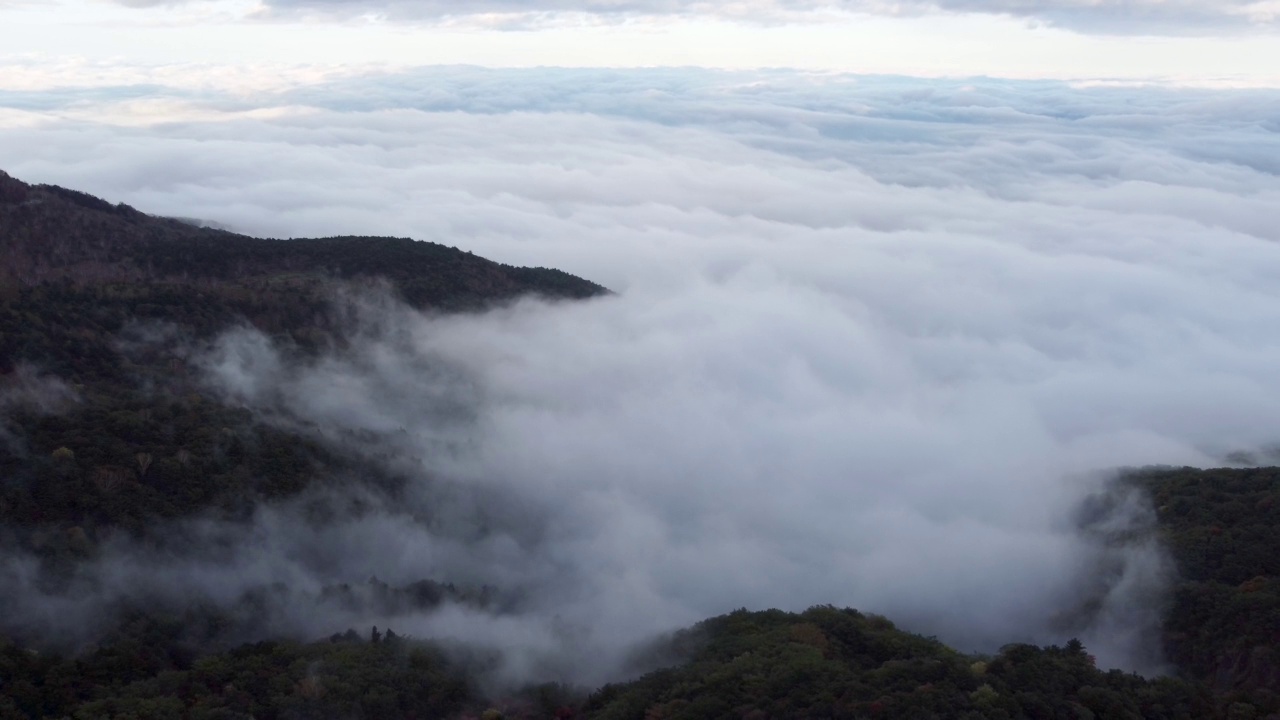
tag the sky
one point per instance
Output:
(1221, 42)
(898, 285)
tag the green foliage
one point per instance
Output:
(843, 664)
(1222, 528)
(145, 676)
(120, 457)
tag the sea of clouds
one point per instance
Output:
(873, 341)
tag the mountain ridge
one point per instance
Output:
(50, 234)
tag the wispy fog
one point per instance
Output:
(25, 389)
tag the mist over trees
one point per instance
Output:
(253, 478)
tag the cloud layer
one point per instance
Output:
(1106, 16)
(875, 338)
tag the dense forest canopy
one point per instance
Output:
(108, 436)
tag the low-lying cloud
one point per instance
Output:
(874, 343)
(637, 467)
(589, 476)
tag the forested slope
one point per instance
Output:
(104, 423)
(1224, 532)
(834, 663)
(50, 234)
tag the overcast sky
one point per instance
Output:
(1201, 41)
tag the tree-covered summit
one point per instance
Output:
(50, 234)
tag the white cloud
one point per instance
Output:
(1106, 16)
(1190, 43)
(871, 332)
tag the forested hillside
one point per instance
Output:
(108, 432)
(53, 235)
(1223, 529)
(104, 423)
(844, 664)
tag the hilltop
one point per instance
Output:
(54, 236)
